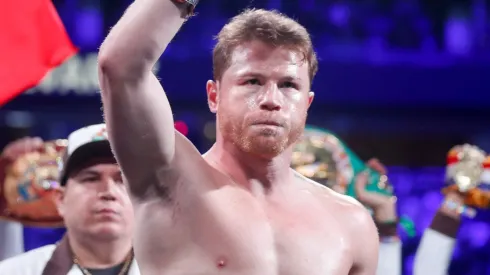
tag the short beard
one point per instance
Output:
(261, 146)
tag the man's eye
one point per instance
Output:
(91, 179)
(118, 180)
(289, 84)
(252, 82)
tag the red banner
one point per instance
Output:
(33, 41)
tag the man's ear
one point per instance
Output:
(58, 197)
(212, 92)
(311, 96)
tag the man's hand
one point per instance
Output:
(455, 197)
(21, 146)
(384, 207)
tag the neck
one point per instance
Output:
(96, 253)
(250, 170)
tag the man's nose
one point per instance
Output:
(271, 98)
(107, 189)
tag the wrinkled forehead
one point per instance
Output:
(259, 57)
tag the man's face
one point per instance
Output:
(262, 99)
(95, 202)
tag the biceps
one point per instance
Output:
(140, 125)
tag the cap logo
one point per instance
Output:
(100, 135)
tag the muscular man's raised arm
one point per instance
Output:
(136, 109)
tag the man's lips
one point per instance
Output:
(106, 211)
(268, 123)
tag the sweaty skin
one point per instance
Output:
(239, 209)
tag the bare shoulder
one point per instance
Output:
(325, 193)
(345, 206)
(356, 224)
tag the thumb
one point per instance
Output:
(377, 166)
(361, 182)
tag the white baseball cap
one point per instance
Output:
(84, 145)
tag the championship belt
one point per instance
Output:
(483, 198)
(322, 157)
(468, 172)
(29, 185)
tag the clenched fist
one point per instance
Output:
(21, 146)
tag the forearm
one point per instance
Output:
(140, 37)
(390, 258)
(434, 253)
(437, 244)
(390, 248)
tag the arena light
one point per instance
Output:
(181, 127)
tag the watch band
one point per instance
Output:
(190, 5)
(387, 229)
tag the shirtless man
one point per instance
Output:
(239, 209)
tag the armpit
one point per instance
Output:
(150, 188)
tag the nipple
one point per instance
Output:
(221, 263)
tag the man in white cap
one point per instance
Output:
(97, 213)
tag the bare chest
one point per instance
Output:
(309, 240)
(237, 235)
